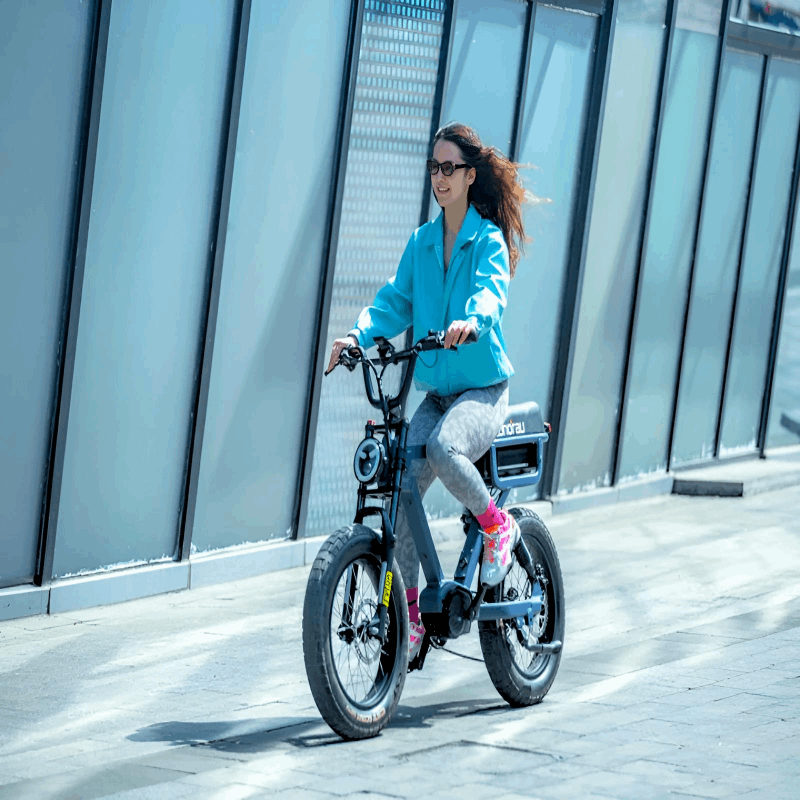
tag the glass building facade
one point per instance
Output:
(198, 198)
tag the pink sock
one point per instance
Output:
(492, 516)
(413, 608)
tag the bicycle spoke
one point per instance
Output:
(519, 585)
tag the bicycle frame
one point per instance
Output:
(432, 598)
(400, 488)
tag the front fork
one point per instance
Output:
(378, 625)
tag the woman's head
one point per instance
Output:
(452, 189)
(489, 179)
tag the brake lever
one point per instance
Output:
(346, 360)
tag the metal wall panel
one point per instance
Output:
(145, 283)
(45, 60)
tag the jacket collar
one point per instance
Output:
(469, 230)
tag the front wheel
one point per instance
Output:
(356, 682)
(521, 677)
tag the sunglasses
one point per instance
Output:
(447, 167)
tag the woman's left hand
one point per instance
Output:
(458, 332)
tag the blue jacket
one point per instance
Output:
(475, 288)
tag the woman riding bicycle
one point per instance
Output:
(454, 275)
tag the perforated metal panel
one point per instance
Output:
(383, 192)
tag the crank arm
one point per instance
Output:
(510, 609)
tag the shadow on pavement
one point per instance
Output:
(247, 734)
(423, 716)
(255, 735)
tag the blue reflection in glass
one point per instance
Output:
(783, 16)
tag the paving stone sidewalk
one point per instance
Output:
(680, 678)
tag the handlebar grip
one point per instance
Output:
(435, 340)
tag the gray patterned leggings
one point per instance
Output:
(457, 431)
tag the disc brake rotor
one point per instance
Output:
(519, 632)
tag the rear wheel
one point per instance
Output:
(521, 677)
(355, 681)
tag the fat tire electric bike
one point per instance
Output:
(355, 614)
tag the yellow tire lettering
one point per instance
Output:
(387, 588)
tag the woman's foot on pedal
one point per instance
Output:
(499, 542)
(416, 633)
(416, 630)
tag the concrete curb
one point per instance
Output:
(23, 601)
(236, 563)
(622, 493)
(117, 586)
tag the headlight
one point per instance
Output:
(370, 458)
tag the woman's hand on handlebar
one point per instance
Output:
(336, 351)
(460, 332)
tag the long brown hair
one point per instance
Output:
(496, 192)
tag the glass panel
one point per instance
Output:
(783, 15)
(613, 247)
(484, 68)
(384, 189)
(145, 283)
(784, 417)
(668, 252)
(717, 258)
(551, 139)
(766, 230)
(701, 16)
(274, 253)
(45, 58)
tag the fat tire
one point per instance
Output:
(349, 720)
(514, 686)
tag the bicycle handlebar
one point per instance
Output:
(351, 356)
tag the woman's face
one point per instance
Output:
(453, 189)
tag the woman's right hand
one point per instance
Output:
(338, 346)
